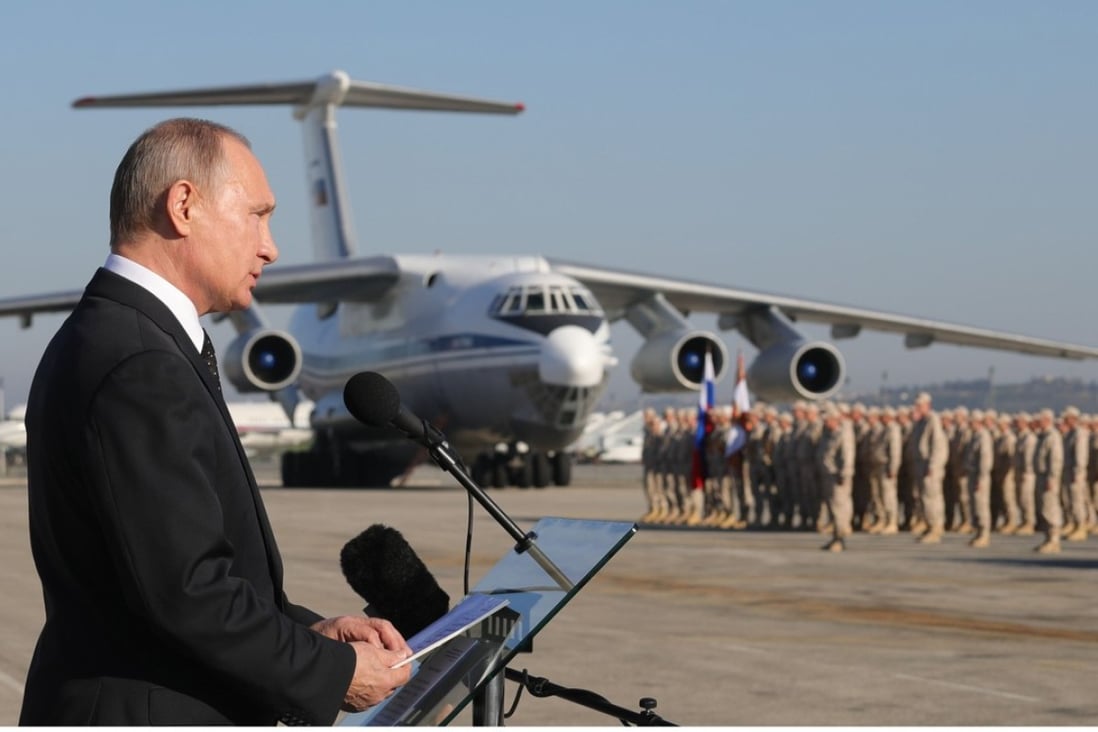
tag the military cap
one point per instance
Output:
(976, 415)
(961, 411)
(888, 412)
(923, 398)
(1070, 411)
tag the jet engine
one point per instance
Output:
(262, 360)
(675, 360)
(791, 370)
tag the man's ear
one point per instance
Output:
(179, 204)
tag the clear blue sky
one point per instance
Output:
(927, 158)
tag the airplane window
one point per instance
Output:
(556, 302)
(535, 301)
(581, 301)
(497, 304)
(515, 304)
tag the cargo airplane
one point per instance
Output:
(495, 351)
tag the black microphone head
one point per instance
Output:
(371, 398)
(384, 570)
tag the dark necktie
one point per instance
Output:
(210, 357)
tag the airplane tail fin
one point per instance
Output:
(314, 103)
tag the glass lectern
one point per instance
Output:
(447, 679)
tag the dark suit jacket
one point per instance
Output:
(162, 581)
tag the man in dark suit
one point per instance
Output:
(161, 578)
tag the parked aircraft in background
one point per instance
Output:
(263, 427)
(496, 351)
(616, 437)
(265, 430)
(13, 433)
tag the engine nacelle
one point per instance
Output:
(797, 370)
(675, 360)
(262, 360)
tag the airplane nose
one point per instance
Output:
(571, 356)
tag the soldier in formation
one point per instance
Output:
(843, 469)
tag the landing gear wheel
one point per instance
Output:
(524, 476)
(500, 473)
(562, 468)
(540, 470)
(482, 470)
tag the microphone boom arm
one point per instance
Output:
(439, 450)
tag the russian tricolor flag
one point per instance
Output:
(706, 398)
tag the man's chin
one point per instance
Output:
(243, 302)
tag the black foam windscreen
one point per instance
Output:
(384, 570)
(371, 398)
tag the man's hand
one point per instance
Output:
(374, 679)
(374, 631)
(378, 646)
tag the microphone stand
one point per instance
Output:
(439, 450)
(488, 704)
(541, 687)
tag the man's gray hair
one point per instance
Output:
(174, 150)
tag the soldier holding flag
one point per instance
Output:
(706, 397)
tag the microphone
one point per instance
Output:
(384, 570)
(372, 399)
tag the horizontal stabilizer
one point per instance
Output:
(335, 88)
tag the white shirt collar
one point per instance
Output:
(173, 298)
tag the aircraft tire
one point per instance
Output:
(540, 469)
(306, 470)
(290, 469)
(500, 472)
(482, 470)
(313, 469)
(562, 468)
(524, 476)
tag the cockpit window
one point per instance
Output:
(535, 301)
(544, 300)
(514, 303)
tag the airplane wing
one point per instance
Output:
(352, 280)
(348, 280)
(25, 307)
(616, 290)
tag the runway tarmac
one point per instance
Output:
(729, 628)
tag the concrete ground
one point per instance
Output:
(740, 628)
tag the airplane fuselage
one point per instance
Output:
(489, 349)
